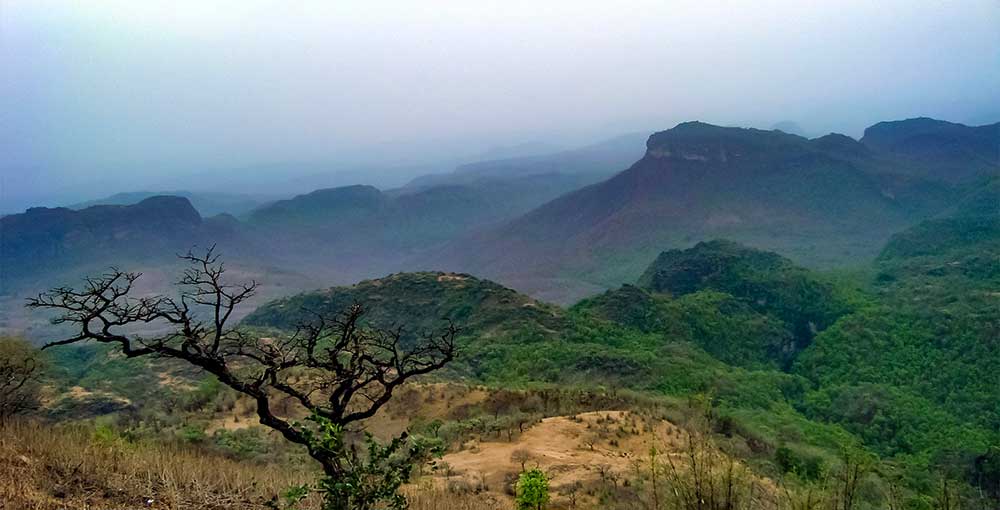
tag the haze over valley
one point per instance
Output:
(659, 256)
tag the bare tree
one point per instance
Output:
(20, 369)
(337, 369)
(705, 478)
(521, 456)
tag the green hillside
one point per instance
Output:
(915, 374)
(788, 358)
(763, 281)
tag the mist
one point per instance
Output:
(255, 96)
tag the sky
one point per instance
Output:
(118, 95)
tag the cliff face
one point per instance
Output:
(48, 239)
(822, 202)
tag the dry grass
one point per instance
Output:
(66, 467)
(431, 497)
(580, 449)
(590, 455)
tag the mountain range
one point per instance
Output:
(817, 302)
(559, 226)
(826, 202)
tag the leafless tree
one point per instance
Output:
(20, 369)
(335, 367)
(521, 456)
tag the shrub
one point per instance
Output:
(532, 490)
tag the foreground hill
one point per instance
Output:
(828, 201)
(588, 443)
(508, 335)
(420, 302)
(792, 361)
(790, 368)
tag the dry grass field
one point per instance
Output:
(591, 458)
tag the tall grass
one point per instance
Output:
(78, 467)
(75, 467)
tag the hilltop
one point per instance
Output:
(419, 302)
(937, 149)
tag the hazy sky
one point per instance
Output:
(122, 93)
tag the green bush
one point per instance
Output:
(532, 490)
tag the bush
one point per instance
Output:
(193, 434)
(242, 443)
(807, 467)
(532, 490)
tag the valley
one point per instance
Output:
(739, 307)
(475, 255)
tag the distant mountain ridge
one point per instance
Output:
(45, 239)
(825, 201)
(408, 218)
(527, 222)
(206, 203)
(344, 233)
(589, 163)
(937, 149)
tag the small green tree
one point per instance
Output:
(532, 490)
(376, 474)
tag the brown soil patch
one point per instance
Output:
(582, 448)
(451, 278)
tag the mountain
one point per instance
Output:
(765, 281)
(206, 203)
(588, 164)
(44, 239)
(518, 151)
(744, 306)
(424, 215)
(363, 231)
(818, 201)
(50, 247)
(789, 126)
(341, 204)
(937, 149)
(543, 223)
